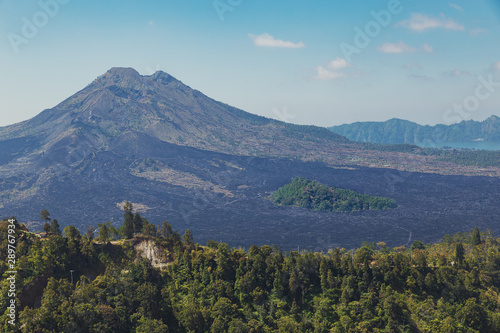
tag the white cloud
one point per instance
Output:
(326, 75)
(457, 7)
(403, 48)
(457, 73)
(427, 48)
(333, 70)
(266, 40)
(420, 23)
(283, 115)
(339, 63)
(496, 66)
(396, 48)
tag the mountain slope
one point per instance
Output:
(398, 131)
(164, 108)
(182, 156)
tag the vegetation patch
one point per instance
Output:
(310, 194)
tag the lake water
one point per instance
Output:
(484, 145)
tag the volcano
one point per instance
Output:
(181, 156)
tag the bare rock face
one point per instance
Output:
(148, 249)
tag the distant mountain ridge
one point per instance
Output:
(399, 131)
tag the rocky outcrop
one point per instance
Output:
(148, 249)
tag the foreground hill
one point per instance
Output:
(182, 156)
(166, 283)
(398, 131)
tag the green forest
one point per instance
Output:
(311, 194)
(101, 283)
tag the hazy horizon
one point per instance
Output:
(287, 120)
(324, 64)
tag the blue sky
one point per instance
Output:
(300, 61)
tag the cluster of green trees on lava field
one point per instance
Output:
(69, 282)
(311, 194)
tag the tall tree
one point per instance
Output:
(127, 229)
(71, 232)
(418, 245)
(188, 238)
(138, 223)
(459, 254)
(55, 228)
(104, 232)
(90, 233)
(149, 229)
(46, 228)
(128, 207)
(166, 230)
(476, 237)
(44, 215)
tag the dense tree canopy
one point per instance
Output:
(310, 194)
(219, 289)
